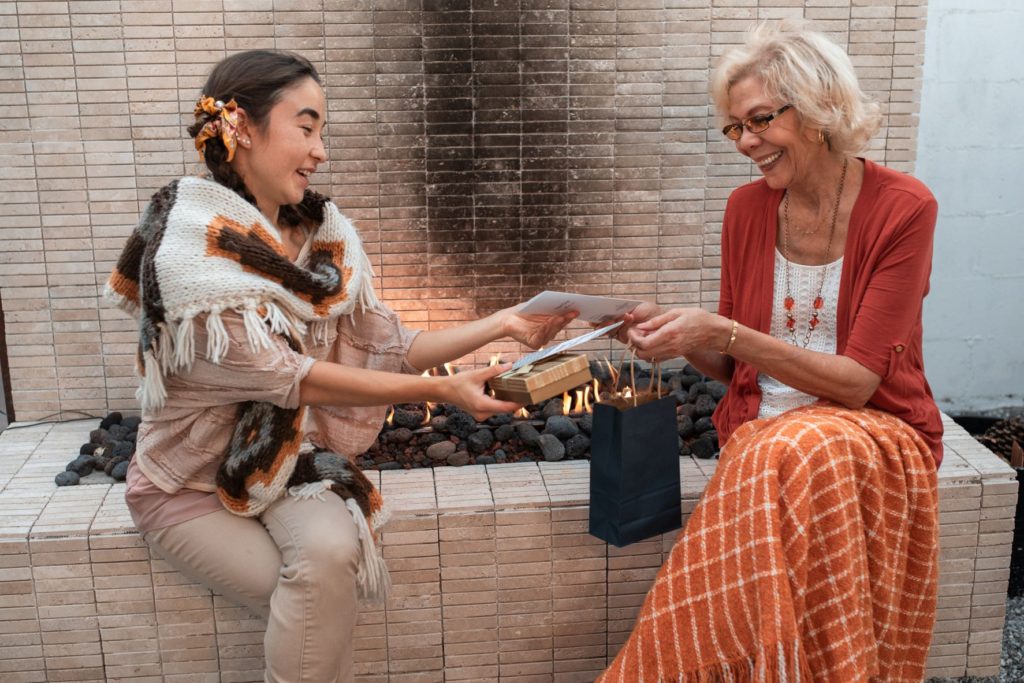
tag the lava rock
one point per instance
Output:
(88, 448)
(120, 471)
(684, 448)
(500, 456)
(98, 436)
(716, 389)
(685, 426)
(586, 423)
(704, 448)
(390, 465)
(111, 419)
(551, 447)
(441, 451)
(411, 419)
(121, 449)
(427, 440)
(461, 424)
(131, 423)
(458, 459)
(132, 436)
(561, 426)
(504, 433)
(688, 381)
(485, 460)
(680, 396)
(117, 432)
(696, 390)
(692, 371)
(481, 440)
(704, 406)
(499, 419)
(67, 478)
(552, 408)
(688, 410)
(82, 465)
(528, 434)
(439, 422)
(401, 435)
(112, 463)
(702, 424)
(577, 445)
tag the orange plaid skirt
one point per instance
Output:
(812, 556)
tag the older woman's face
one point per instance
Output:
(786, 153)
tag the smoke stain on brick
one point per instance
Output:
(496, 137)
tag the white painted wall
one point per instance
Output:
(971, 155)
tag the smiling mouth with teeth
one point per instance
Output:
(769, 159)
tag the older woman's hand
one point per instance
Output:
(677, 332)
(533, 330)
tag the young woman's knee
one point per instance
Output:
(331, 558)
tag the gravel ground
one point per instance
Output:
(1012, 669)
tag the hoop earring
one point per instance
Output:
(822, 136)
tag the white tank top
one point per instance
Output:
(776, 397)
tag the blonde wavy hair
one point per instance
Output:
(808, 70)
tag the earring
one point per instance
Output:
(244, 141)
(822, 136)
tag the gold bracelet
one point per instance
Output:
(732, 338)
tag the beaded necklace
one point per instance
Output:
(818, 303)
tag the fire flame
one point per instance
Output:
(566, 403)
(426, 418)
(627, 393)
(449, 369)
(587, 407)
(579, 401)
(613, 372)
(391, 415)
(522, 412)
(495, 359)
(597, 391)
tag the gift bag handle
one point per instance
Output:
(655, 369)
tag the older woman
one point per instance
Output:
(812, 554)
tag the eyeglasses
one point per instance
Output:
(755, 124)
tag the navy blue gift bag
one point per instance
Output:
(634, 469)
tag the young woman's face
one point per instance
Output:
(282, 154)
(785, 152)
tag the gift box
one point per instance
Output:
(541, 380)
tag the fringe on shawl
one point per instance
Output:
(373, 581)
(779, 663)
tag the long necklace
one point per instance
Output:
(819, 302)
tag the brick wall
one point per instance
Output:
(487, 149)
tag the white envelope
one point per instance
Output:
(593, 309)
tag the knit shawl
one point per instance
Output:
(200, 248)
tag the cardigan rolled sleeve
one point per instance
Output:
(889, 313)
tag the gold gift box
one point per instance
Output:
(543, 379)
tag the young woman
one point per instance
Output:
(812, 555)
(267, 361)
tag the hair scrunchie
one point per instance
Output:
(223, 124)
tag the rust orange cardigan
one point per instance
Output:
(886, 266)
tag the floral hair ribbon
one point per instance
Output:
(224, 124)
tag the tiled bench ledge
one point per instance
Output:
(495, 576)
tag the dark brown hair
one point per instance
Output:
(255, 80)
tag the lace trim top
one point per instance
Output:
(776, 397)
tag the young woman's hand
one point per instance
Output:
(678, 332)
(468, 390)
(533, 330)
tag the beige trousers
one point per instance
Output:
(295, 565)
